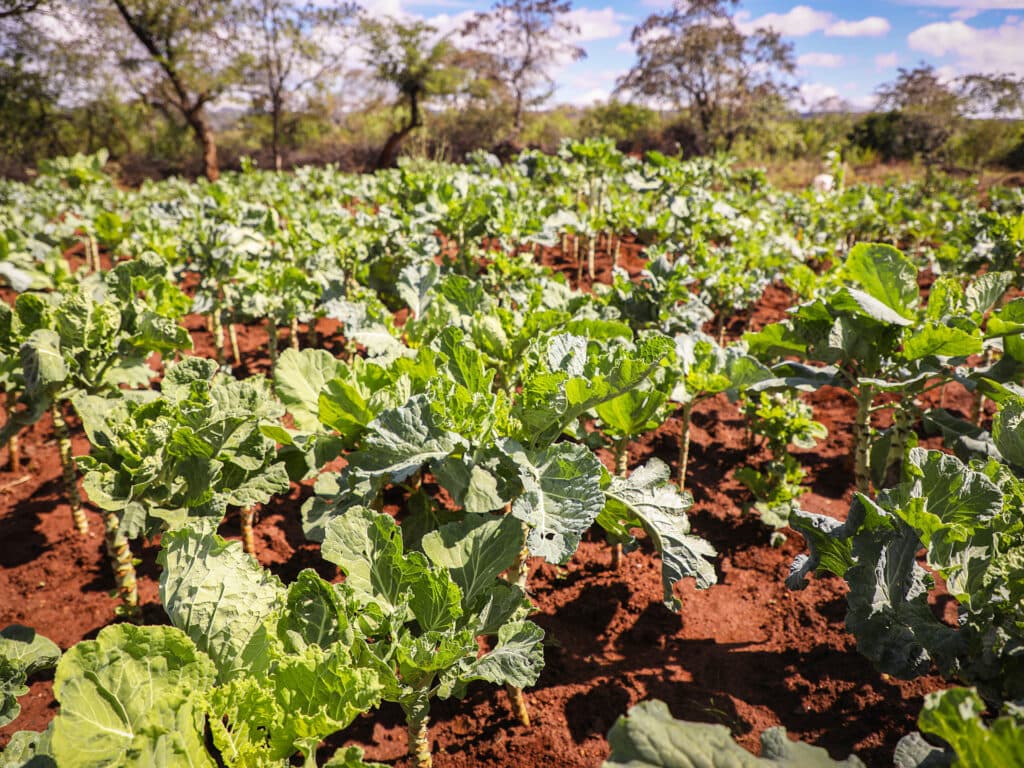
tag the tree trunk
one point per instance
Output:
(206, 139)
(275, 136)
(389, 155)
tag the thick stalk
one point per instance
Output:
(294, 333)
(272, 343)
(14, 452)
(233, 334)
(517, 574)
(120, 554)
(862, 440)
(576, 258)
(417, 718)
(67, 463)
(247, 515)
(311, 338)
(621, 468)
(615, 252)
(217, 331)
(684, 443)
(591, 248)
(901, 420)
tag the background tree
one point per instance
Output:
(189, 59)
(696, 58)
(296, 46)
(923, 111)
(409, 57)
(526, 38)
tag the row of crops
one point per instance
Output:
(476, 389)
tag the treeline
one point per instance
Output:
(191, 85)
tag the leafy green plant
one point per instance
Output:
(192, 452)
(423, 612)
(22, 654)
(780, 419)
(91, 342)
(872, 337)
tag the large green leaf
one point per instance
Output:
(132, 697)
(885, 274)
(955, 717)
(402, 440)
(517, 659)
(561, 497)
(941, 341)
(221, 597)
(299, 378)
(648, 500)
(475, 550)
(649, 737)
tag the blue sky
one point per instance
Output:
(844, 50)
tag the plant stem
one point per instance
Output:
(247, 515)
(576, 258)
(862, 440)
(233, 334)
(615, 252)
(294, 333)
(67, 463)
(894, 461)
(684, 443)
(417, 719)
(517, 701)
(14, 451)
(120, 554)
(517, 574)
(272, 343)
(217, 331)
(311, 338)
(621, 469)
(591, 248)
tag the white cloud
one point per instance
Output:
(872, 26)
(830, 60)
(887, 60)
(798, 21)
(973, 5)
(595, 24)
(802, 20)
(972, 49)
(965, 14)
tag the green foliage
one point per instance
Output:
(649, 737)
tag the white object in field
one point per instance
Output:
(823, 182)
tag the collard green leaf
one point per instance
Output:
(561, 497)
(132, 697)
(648, 500)
(22, 654)
(517, 659)
(649, 737)
(402, 440)
(941, 341)
(475, 551)
(299, 379)
(885, 274)
(221, 597)
(955, 717)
